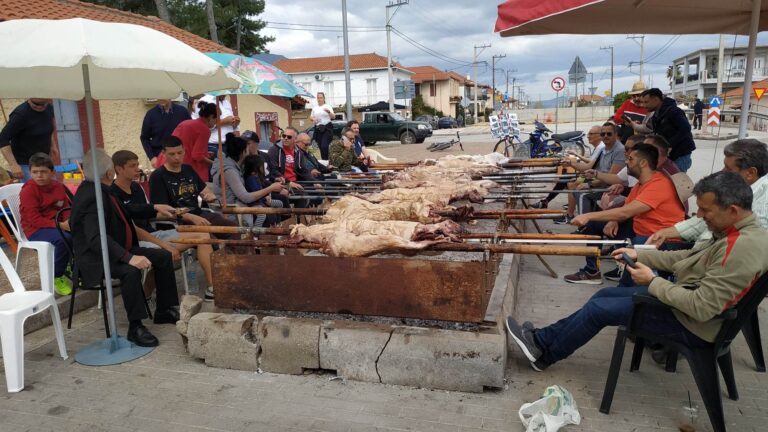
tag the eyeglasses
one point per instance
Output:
(602, 134)
(288, 136)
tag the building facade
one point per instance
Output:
(368, 77)
(695, 74)
(441, 90)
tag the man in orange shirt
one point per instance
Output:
(652, 204)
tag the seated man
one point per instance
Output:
(611, 161)
(342, 152)
(126, 258)
(286, 163)
(593, 137)
(130, 193)
(649, 206)
(360, 150)
(709, 281)
(316, 169)
(41, 198)
(178, 185)
(745, 157)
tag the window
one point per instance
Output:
(432, 89)
(370, 84)
(329, 95)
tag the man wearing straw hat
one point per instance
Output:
(631, 110)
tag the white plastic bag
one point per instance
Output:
(554, 410)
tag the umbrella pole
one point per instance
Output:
(754, 24)
(221, 155)
(116, 349)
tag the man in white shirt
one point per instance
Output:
(749, 159)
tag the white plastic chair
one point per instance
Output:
(16, 307)
(10, 194)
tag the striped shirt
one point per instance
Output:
(696, 229)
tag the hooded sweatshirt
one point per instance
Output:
(236, 192)
(671, 122)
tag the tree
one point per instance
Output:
(162, 10)
(619, 99)
(235, 23)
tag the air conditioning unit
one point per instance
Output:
(318, 77)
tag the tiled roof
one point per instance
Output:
(429, 73)
(64, 9)
(738, 92)
(334, 63)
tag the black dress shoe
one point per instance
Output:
(168, 316)
(140, 336)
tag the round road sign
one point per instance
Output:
(558, 84)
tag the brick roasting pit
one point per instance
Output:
(432, 320)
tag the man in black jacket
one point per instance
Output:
(286, 162)
(126, 259)
(698, 113)
(316, 169)
(671, 122)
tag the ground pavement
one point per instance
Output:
(169, 391)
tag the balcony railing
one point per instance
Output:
(693, 77)
(679, 80)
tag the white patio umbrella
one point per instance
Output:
(82, 59)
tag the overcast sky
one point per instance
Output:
(447, 31)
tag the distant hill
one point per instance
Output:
(551, 103)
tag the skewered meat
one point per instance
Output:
(362, 237)
(352, 207)
(439, 195)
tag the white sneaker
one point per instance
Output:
(209, 294)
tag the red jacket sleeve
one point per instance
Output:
(619, 112)
(31, 216)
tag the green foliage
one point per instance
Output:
(419, 107)
(460, 111)
(619, 99)
(190, 15)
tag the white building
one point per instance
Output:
(368, 73)
(695, 74)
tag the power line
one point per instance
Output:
(323, 30)
(430, 51)
(321, 25)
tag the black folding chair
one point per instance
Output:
(704, 362)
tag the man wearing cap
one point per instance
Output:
(631, 110)
(747, 158)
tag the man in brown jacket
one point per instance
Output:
(710, 279)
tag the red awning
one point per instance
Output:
(541, 17)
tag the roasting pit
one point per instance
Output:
(427, 320)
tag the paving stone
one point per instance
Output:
(444, 359)
(352, 349)
(225, 340)
(289, 345)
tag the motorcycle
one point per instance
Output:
(543, 143)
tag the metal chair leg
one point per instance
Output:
(613, 370)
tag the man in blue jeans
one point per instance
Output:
(709, 280)
(651, 204)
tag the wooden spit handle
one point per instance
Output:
(455, 247)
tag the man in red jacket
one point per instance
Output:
(41, 198)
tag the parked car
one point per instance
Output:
(447, 123)
(389, 126)
(432, 120)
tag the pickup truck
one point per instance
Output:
(385, 126)
(388, 126)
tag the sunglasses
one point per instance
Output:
(288, 136)
(606, 134)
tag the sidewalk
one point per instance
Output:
(169, 391)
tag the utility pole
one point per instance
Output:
(720, 66)
(474, 72)
(347, 78)
(513, 85)
(390, 74)
(642, 52)
(610, 47)
(493, 77)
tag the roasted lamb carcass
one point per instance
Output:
(361, 237)
(439, 194)
(353, 207)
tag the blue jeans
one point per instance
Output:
(684, 162)
(608, 307)
(60, 252)
(596, 228)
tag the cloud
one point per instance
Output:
(449, 29)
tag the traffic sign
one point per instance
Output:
(578, 72)
(558, 84)
(715, 102)
(759, 92)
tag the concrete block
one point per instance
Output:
(353, 348)
(289, 345)
(224, 340)
(190, 306)
(444, 359)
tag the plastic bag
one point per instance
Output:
(554, 410)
